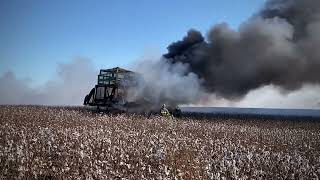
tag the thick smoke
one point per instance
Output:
(73, 82)
(278, 46)
(269, 97)
(164, 83)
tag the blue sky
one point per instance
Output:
(36, 35)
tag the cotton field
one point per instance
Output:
(71, 143)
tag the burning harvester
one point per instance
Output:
(110, 91)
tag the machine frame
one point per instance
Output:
(110, 90)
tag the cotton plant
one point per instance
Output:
(61, 142)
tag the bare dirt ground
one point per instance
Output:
(70, 143)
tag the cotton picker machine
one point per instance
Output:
(110, 91)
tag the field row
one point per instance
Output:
(47, 142)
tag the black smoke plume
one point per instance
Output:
(280, 46)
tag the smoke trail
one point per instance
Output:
(278, 46)
(164, 83)
(74, 80)
(270, 97)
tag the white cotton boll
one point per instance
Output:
(82, 154)
(149, 169)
